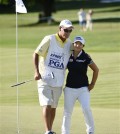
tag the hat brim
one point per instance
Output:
(67, 26)
(79, 41)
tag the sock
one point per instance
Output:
(47, 132)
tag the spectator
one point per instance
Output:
(89, 24)
(82, 19)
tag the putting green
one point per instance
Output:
(31, 121)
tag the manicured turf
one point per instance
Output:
(31, 121)
(103, 46)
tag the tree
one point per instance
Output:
(48, 9)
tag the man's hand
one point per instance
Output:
(37, 76)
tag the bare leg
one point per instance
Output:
(48, 115)
(53, 112)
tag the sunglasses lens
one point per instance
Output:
(67, 31)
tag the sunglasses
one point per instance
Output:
(67, 31)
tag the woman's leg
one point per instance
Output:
(69, 101)
(84, 99)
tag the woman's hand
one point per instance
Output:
(91, 86)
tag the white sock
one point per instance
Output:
(47, 132)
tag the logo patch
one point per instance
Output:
(80, 60)
(56, 60)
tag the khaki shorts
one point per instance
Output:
(49, 95)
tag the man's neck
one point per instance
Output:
(63, 39)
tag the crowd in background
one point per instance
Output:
(85, 19)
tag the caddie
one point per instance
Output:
(50, 61)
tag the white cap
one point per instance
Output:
(66, 23)
(80, 39)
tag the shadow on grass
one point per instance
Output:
(62, 5)
(110, 10)
(101, 20)
(40, 24)
(69, 5)
(107, 20)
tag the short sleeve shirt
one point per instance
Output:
(42, 48)
(77, 70)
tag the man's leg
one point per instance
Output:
(53, 113)
(47, 117)
(49, 100)
(45, 96)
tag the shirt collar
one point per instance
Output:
(79, 53)
(59, 40)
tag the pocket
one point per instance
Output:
(85, 89)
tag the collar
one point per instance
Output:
(78, 54)
(59, 40)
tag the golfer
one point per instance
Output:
(50, 61)
(78, 87)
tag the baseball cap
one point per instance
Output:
(80, 39)
(66, 23)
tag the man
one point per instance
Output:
(50, 61)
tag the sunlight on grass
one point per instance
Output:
(102, 44)
(31, 121)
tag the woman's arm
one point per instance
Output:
(95, 69)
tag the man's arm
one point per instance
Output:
(37, 74)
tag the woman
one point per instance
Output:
(78, 87)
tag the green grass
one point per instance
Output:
(103, 46)
(31, 121)
(105, 94)
(105, 34)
